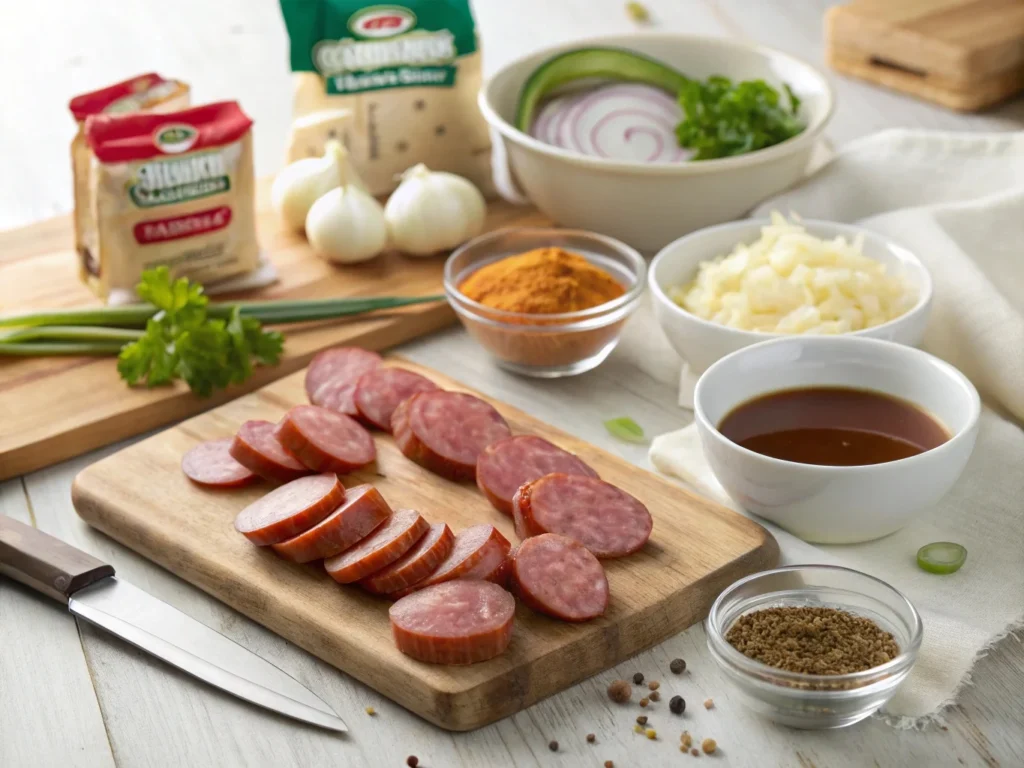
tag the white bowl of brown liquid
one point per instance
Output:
(836, 439)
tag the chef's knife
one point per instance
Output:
(91, 592)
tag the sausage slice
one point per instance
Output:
(379, 392)
(381, 548)
(415, 565)
(478, 552)
(211, 464)
(362, 511)
(326, 441)
(459, 622)
(290, 509)
(256, 446)
(558, 576)
(338, 364)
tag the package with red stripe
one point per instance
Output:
(174, 189)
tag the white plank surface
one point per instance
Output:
(74, 692)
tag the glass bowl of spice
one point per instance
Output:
(814, 646)
(545, 302)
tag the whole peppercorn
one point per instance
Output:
(677, 704)
(708, 745)
(591, 738)
(685, 740)
(620, 691)
(651, 733)
(638, 678)
(553, 745)
(609, 764)
(412, 761)
(655, 696)
(641, 719)
(695, 752)
(644, 702)
(654, 685)
(678, 666)
(709, 704)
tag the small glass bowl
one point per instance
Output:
(815, 701)
(547, 346)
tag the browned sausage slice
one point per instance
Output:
(381, 548)
(446, 431)
(459, 622)
(605, 519)
(558, 576)
(362, 511)
(256, 446)
(211, 464)
(338, 364)
(379, 392)
(326, 441)
(416, 564)
(506, 464)
(290, 509)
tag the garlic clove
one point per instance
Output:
(433, 211)
(299, 184)
(346, 226)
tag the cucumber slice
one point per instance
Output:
(607, 63)
(941, 557)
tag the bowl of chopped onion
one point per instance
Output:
(725, 287)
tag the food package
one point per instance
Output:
(144, 93)
(399, 83)
(175, 190)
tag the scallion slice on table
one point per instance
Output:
(626, 429)
(941, 557)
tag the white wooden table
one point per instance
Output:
(73, 696)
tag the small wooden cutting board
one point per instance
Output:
(140, 497)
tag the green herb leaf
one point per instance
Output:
(626, 429)
(722, 119)
(182, 341)
(941, 557)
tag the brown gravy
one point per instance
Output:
(834, 426)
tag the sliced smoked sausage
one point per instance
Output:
(415, 565)
(478, 551)
(459, 622)
(506, 464)
(381, 548)
(446, 431)
(558, 576)
(338, 364)
(256, 446)
(291, 509)
(380, 391)
(362, 511)
(326, 441)
(606, 520)
(211, 464)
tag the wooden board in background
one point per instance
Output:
(962, 54)
(54, 408)
(140, 497)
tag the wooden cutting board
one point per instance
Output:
(54, 408)
(963, 54)
(140, 497)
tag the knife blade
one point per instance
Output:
(92, 592)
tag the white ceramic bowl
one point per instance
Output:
(837, 505)
(701, 342)
(650, 204)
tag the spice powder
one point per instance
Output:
(816, 641)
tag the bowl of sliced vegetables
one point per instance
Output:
(648, 137)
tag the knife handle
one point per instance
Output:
(44, 563)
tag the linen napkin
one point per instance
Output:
(957, 201)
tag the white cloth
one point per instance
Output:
(957, 201)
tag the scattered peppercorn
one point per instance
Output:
(591, 738)
(811, 640)
(412, 761)
(654, 685)
(637, 12)
(677, 704)
(638, 678)
(686, 740)
(620, 691)
(708, 745)
(609, 764)
(644, 701)
(708, 703)
(553, 745)
(641, 719)
(638, 728)
(678, 666)
(655, 696)
(651, 733)
(695, 752)
(371, 711)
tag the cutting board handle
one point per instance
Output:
(44, 563)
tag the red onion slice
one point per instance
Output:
(626, 121)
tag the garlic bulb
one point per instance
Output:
(433, 211)
(346, 226)
(299, 184)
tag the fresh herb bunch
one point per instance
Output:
(182, 341)
(723, 119)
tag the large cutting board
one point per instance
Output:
(54, 408)
(140, 497)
